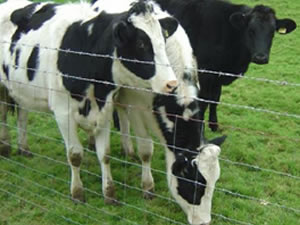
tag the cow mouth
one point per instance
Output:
(260, 59)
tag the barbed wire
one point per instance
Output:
(255, 167)
(140, 108)
(99, 194)
(47, 199)
(39, 206)
(201, 70)
(187, 180)
(285, 114)
(96, 193)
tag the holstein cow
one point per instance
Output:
(192, 163)
(79, 88)
(225, 37)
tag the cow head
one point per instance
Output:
(192, 162)
(140, 37)
(192, 177)
(258, 26)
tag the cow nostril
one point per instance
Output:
(260, 58)
(171, 85)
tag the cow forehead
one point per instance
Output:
(150, 25)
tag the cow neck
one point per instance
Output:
(184, 137)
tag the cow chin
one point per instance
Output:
(198, 216)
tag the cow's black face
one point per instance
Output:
(191, 183)
(259, 26)
(134, 44)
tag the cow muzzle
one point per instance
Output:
(260, 58)
(171, 86)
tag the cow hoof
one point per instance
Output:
(5, 150)
(78, 195)
(111, 201)
(213, 126)
(149, 195)
(25, 153)
(92, 147)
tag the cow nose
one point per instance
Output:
(260, 58)
(171, 85)
(205, 224)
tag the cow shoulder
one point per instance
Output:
(88, 37)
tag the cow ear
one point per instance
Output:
(238, 20)
(121, 33)
(179, 164)
(218, 141)
(169, 26)
(285, 26)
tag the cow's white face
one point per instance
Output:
(141, 38)
(192, 180)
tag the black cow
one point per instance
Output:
(225, 37)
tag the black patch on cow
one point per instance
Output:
(191, 183)
(17, 57)
(187, 77)
(41, 16)
(27, 19)
(6, 70)
(187, 134)
(93, 1)
(85, 110)
(86, 66)
(140, 7)
(21, 17)
(139, 48)
(33, 62)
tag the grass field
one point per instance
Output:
(35, 191)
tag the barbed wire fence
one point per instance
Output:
(12, 184)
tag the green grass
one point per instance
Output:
(256, 138)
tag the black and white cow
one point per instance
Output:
(79, 88)
(192, 164)
(225, 37)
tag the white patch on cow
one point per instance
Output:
(90, 29)
(169, 124)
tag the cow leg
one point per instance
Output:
(103, 152)
(4, 131)
(23, 148)
(213, 119)
(203, 107)
(68, 129)
(91, 142)
(145, 152)
(127, 146)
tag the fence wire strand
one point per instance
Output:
(126, 162)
